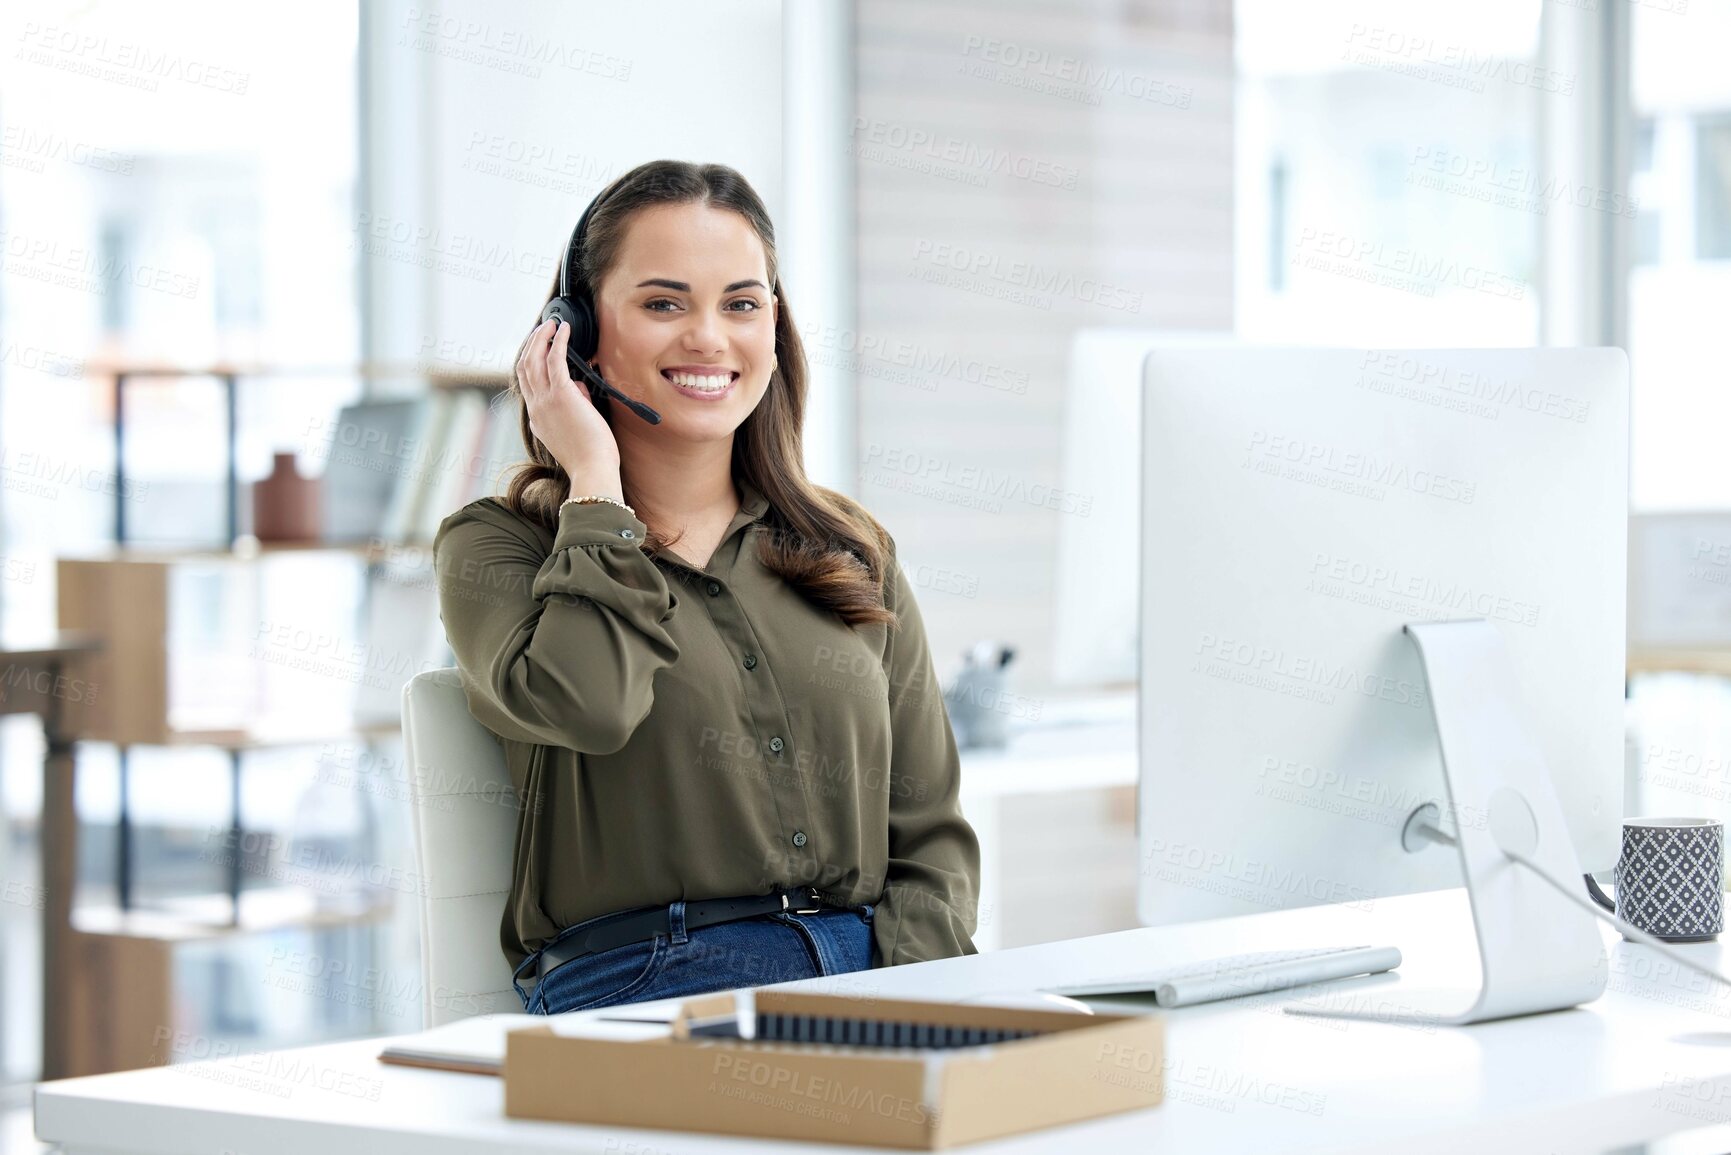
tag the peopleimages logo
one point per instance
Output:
(888, 461)
(938, 257)
(1454, 382)
(1217, 656)
(1261, 881)
(964, 157)
(1510, 186)
(1415, 588)
(1457, 64)
(1334, 251)
(1361, 472)
(45, 259)
(921, 360)
(1088, 78)
(141, 66)
(1368, 797)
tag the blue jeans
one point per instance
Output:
(747, 952)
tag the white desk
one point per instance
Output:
(1652, 1057)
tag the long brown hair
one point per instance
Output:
(820, 541)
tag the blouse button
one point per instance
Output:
(627, 533)
(751, 661)
(799, 838)
(714, 588)
(775, 744)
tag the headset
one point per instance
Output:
(574, 306)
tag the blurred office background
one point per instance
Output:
(228, 243)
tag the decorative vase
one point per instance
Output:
(285, 505)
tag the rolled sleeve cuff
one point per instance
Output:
(597, 558)
(598, 523)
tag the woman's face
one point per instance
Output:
(687, 321)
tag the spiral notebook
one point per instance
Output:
(846, 1031)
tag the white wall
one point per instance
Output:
(980, 155)
(487, 128)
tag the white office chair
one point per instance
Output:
(465, 816)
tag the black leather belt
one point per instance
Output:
(643, 925)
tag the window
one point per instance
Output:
(1388, 183)
(1680, 283)
(175, 190)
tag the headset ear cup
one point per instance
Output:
(580, 318)
(585, 332)
(559, 307)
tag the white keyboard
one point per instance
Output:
(1244, 974)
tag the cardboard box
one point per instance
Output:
(1075, 1067)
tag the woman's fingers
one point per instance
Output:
(558, 372)
(532, 368)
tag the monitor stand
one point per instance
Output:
(1537, 952)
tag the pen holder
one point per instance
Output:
(975, 701)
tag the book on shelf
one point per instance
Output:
(362, 466)
(459, 470)
(404, 637)
(504, 447)
(396, 469)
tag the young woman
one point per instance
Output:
(709, 675)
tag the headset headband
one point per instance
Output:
(573, 245)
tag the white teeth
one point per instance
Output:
(706, 383)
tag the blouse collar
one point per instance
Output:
(753, 504)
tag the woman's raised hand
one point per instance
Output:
(561, 415)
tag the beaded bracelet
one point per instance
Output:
(594, 498)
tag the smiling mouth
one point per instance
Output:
(701, 382)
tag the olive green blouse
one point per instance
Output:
(684, 733)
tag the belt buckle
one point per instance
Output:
(814, 908)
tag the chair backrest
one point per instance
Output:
(465, 812)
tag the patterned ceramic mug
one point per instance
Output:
(1670, 878)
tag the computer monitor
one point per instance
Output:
(1095, 583)
(1299, 506)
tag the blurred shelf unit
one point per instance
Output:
(125, 1010)
(197, 650)
(396, 468)
(398, 459)
(1680, 592)
(195, 654)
